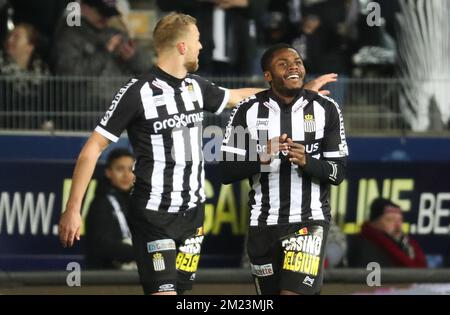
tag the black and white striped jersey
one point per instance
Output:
(163, 117)
(284, 192)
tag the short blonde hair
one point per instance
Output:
(170, 28)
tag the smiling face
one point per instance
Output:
(286, 72)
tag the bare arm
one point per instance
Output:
(70, 222)
(237, 95)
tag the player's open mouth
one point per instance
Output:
(293, 77)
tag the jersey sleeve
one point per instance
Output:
(332, 168)
(334, 142)
(238, 160)
(125, 106)
(214, 98)
(235, 139)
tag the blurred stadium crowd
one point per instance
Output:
(332, 35)
(53, 53)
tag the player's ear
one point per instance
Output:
(267, 76)
(182, 48)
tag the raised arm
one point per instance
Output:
(237, 95)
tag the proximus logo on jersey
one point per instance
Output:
(178, 121)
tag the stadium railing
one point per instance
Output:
(56, 103)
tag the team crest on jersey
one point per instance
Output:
(309, 123)
(158, 262)
(192, 93)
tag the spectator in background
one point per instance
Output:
(94, 49)
(383, 241)
(42, 14)
(321, 30)
(310, 43)
(23, 67)
(322, 24)
(21, 55)
(275, 28)
(288, 14)
(228, 32)
(108, 238)
(375, 51)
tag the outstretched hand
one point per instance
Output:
(316, 84)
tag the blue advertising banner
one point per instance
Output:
(32, 196)
(33, 193)
(421, 189)
(35, 174)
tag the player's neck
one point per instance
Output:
(285, 99)
(172, 66)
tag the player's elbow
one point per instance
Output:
(337, 181)
(339, 178)
(235, 171)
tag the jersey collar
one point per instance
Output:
(173, 81)
(298, 103)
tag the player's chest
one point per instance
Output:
(305, 126)
(171, 108)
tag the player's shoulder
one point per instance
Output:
(202, 81)
(150, 77)
(244, 105)
(328, 103)
(239, 112)
(323, 99)
(128, 89)
(193, 76)
(150, 80)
